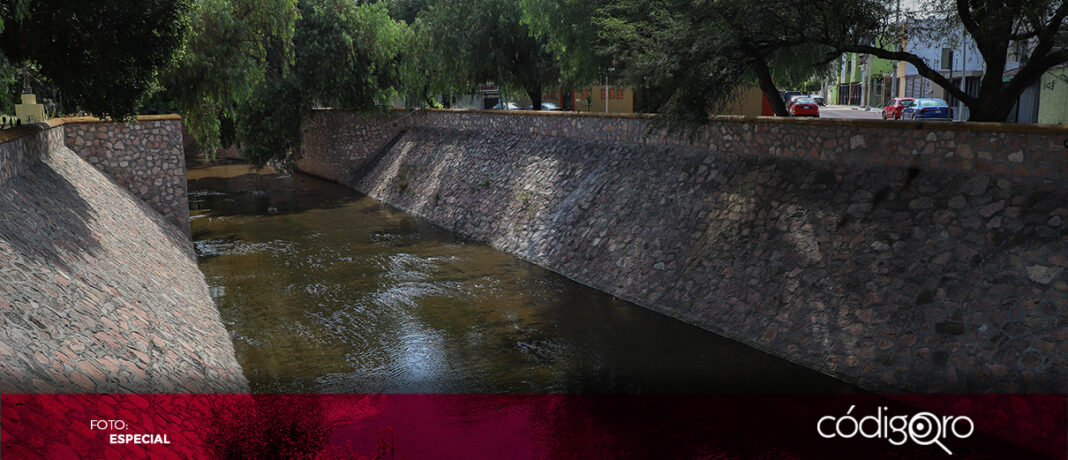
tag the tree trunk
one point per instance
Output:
(767, 85)
(535, 97)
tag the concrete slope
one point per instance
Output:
(899, 279)
(98, 292)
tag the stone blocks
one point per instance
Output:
(833, 245)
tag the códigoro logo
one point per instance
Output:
(923, 428)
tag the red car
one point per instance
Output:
(804, 107)
(892, 111)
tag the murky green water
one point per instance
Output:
(326, 290)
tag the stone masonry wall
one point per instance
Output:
(902, 257)
(98, 291)
(145, 156)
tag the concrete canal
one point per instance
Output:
(326, 290)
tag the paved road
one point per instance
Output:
(842, 111)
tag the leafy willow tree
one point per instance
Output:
(997, 26)
(235, 44)
(571, 36)
(460, 44)
(346, 56)
(104, 57)
(699, 54)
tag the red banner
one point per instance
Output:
(533, 426)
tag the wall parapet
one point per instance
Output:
(145, 156)
(1038, 151)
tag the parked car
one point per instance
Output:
(786, 95)
(892, 110)
(928, 109)
(544, 106)
(819, 99)
(790, 100)
(804, 107)
(503, 106)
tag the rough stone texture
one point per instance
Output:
(20, 148)
(98, 292)
(145, 156)
(930, 278)
(1039, 151)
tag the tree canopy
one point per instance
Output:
(998, 27)
(460, 44)
(346, 56)
(104, 57)
(700, 54)
(234, 45)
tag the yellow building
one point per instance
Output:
(1053, 97)
(621, 100)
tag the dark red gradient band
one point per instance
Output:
(520, 426)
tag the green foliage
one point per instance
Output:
(269, 123)
(102, 56)
(235, 44)
(459, 44)
(570, 35)
(675, 50)
(346, 55)
(406, 10)
(697, 54)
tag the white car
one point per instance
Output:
(544, 106)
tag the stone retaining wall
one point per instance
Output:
(872, 251)
(145, 156)
(98, 291)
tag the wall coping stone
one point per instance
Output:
(1038, 152)
(994, 127)
(8, 135)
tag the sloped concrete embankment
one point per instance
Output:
(903, 257)
(98, 291)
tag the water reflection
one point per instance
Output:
(326, 290)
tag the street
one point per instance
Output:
(845, 111)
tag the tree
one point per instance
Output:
(346, 56)
(570, 35)
(104, 57)
(699, 54)
(996, 26)
(464, 43)
(234, 45)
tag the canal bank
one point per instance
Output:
(903, 257)
(99, 291)
(326, 290)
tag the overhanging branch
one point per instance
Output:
(921, 67)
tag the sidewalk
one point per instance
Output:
(853, 107)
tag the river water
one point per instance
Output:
(325, 290)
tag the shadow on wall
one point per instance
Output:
(899, 278)
(45, 219)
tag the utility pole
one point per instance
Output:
(897, 44)
(842, 79)
(864, 81)
(606, 92)
(963, 76)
